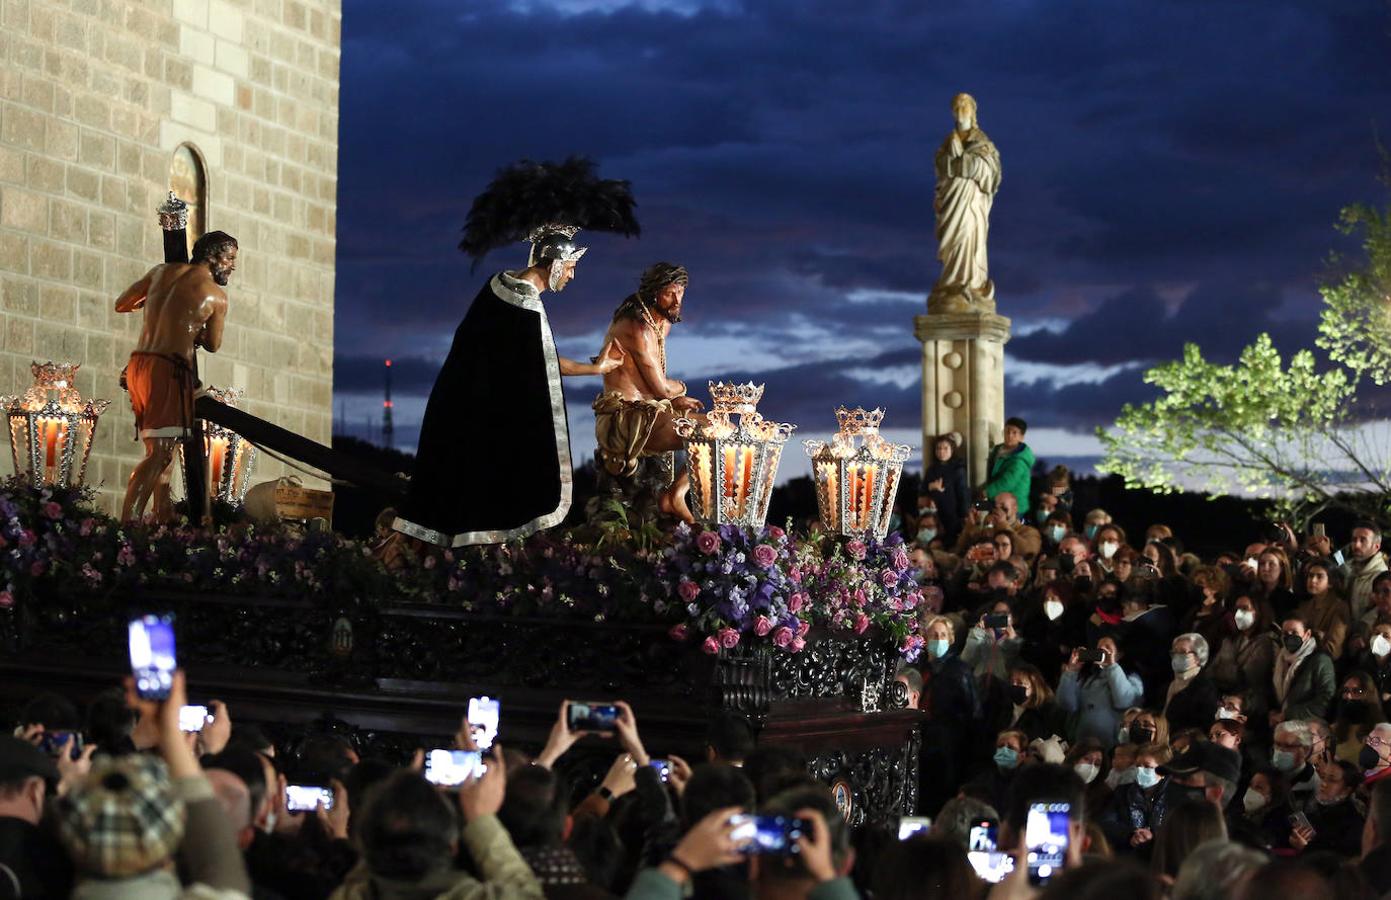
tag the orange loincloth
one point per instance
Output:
(161, 394)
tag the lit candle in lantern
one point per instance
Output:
(858, 458)
(217, 456)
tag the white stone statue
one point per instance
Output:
(968, 176)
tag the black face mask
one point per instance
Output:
(1368, 758)
(1018, 694)
(1141, 735)
(1293, 642)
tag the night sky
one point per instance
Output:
(1172, 171)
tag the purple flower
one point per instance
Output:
(711, 646)
(688, 590)
(856, 549)
(765, 555)
(708, 542)
(762, 625)
(783, 636)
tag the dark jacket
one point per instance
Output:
(1337, 827)
(1145, 641)
(1243, 665)
(1312, 688)
(1042, 721)
(953, 500)
(952, 689)
(1195, 706)
(1133, 808)
(36, 859)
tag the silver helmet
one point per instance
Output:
(555, 244)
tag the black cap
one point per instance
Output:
(1205, 756)
(21, 759)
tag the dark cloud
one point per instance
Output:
(782, 150)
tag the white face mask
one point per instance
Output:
(1244, 618)
(1224, 713)
(1053, 609)
(1380, 645)
(1108, 549)
(269, 827)
(1086, 772)
(1253, 800)
(1119, 777)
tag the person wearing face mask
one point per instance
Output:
(1261, 817)
(1093, 522)
(993, 782)
(1324, 608)
(1109, 539)
(944, 485)
(1245, 659)
(1028, 705)
(1097, 693)
(1303, 675)
(1054, 529)
(1149, 728)
(1376, 659)
(992, 648)
(929, 533)
(1374, 759)
(1052, 625)
(1207, 614)
(1335, 820)
(1193, 697)
(1138, 810)
(1358, 712)
(1292, 755)
(953, 712)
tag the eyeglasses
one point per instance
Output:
(1354, 691)
(1289, 746)
(1374, 741)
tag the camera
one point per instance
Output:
(1087, 655)
(984, 505)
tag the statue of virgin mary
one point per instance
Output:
(968, 177)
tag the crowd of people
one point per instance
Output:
(1195, 728)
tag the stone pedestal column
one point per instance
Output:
(963, 383)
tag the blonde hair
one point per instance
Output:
(934, 619)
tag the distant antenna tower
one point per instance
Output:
(388, 430)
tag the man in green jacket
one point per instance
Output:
(1010, 465)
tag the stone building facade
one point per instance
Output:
(104, 104)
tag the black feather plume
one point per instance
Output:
(529, 194)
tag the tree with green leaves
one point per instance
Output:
(1296, 432)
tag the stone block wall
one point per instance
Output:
(95, 98)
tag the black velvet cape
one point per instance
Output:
(493, 463)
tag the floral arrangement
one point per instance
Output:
(857, 584)
(733, 582)
(721, 587)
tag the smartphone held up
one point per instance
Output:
(152, 659)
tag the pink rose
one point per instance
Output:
(888, 578)
(708, 542)
(37, 568)
(679, 632)
(797, 645)
(796, 602)
(856, 549)
(783, 636)
(861, 623)
(27, 538)
(900, 559)
(688, 590)
(762, 625)
(913, 600)
(803, 627)
(764, 555)
(6, 599)
(53, 510)
(794, 575)
(776, 533)
(711, 646)
(859, 598)
(86, 527)
(728, 637)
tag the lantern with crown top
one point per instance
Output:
(51, 426)
(231, 457)
(732, 465)
(857, 474)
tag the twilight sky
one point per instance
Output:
(1172, 172)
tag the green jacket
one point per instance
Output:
(651, 884)
(1010, 472)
